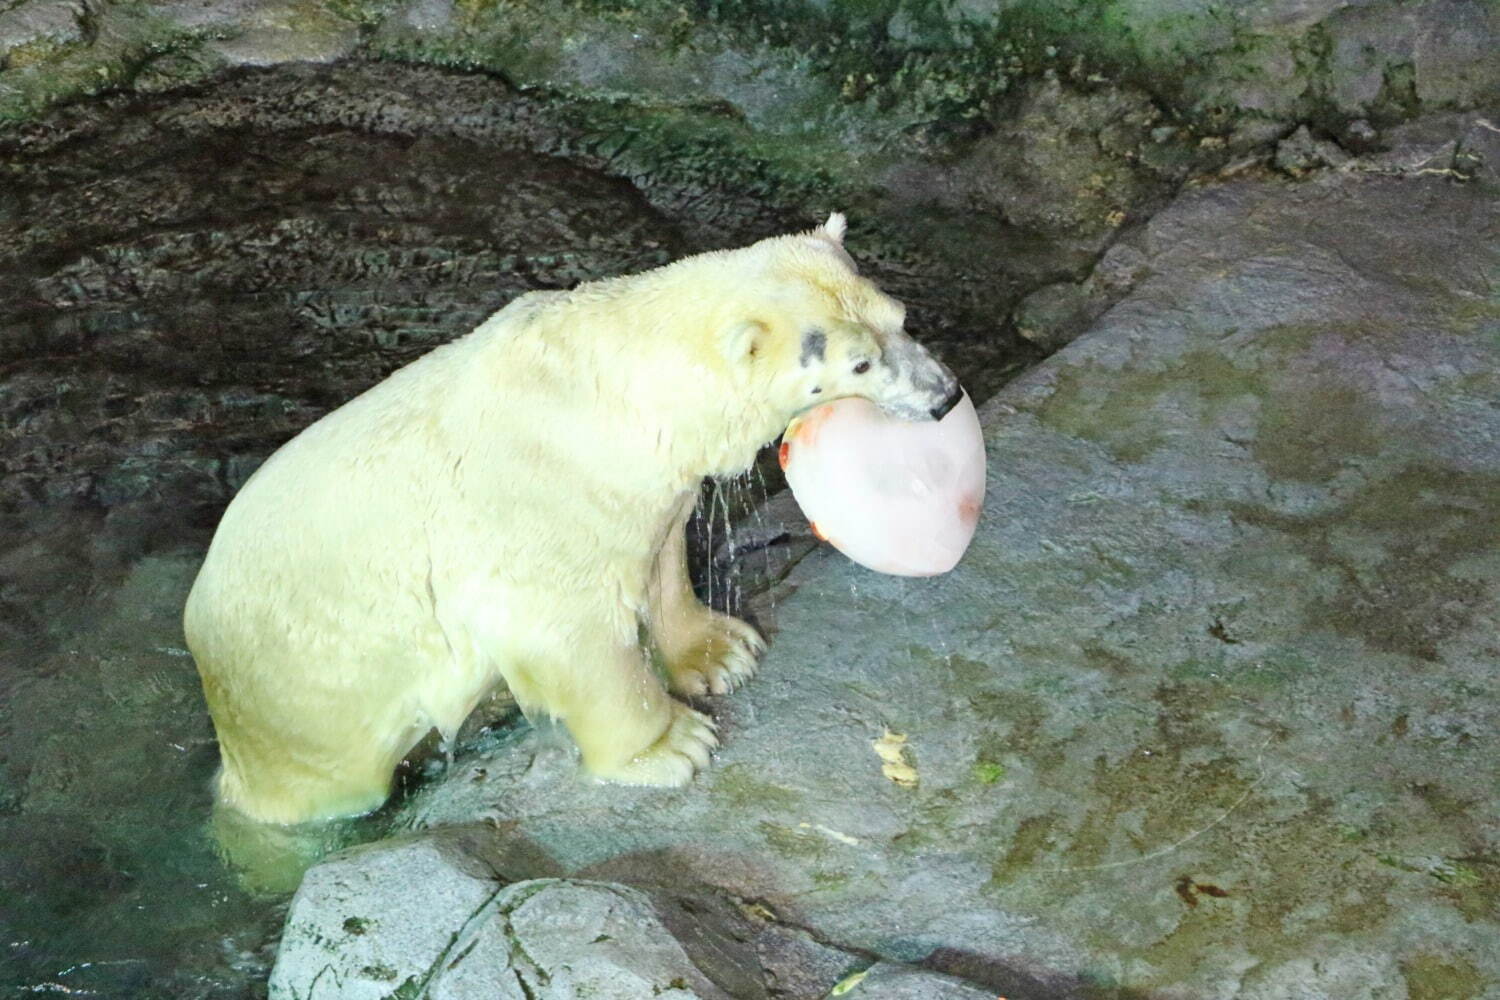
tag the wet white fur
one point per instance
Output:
(509, 509)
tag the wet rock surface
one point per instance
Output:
(1209, 708)
(189, 282)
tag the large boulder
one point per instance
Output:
(428, 916)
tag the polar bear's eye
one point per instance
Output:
(862, 367)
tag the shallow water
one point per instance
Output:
(114, 874)
(112, 883)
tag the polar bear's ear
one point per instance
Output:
(740, 341)
(835, 227)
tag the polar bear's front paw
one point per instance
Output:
(673, 759)
(720, 656)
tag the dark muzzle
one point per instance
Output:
(941, 410)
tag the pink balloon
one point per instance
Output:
(898, 496)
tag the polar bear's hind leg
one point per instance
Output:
(295, 780)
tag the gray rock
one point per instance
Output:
(221, 17)
(1300, 152)
(795, 964)
(1364, 42)
(274, 45)
(1054, 315)
(597, 940)
(56, 21)
(1360, 135)
(428, 916)
(1479, 150)
(428, 15)
(1209, 708)
(1461, 146)
(377, 918)
(1454, 54)
(1069, 164)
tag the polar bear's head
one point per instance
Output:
(817, 330)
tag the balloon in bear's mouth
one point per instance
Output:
(898, 496)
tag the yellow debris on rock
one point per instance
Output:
(891, 749)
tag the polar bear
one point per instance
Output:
(509, 509)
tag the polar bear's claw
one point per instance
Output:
(722, 656)
(673, 759)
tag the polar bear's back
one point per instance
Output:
(342, 500)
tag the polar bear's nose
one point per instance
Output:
(941, 410)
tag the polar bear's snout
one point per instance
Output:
(944, 386)
(917, 385)
(941, 410)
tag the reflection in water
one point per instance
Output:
(112, 883)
